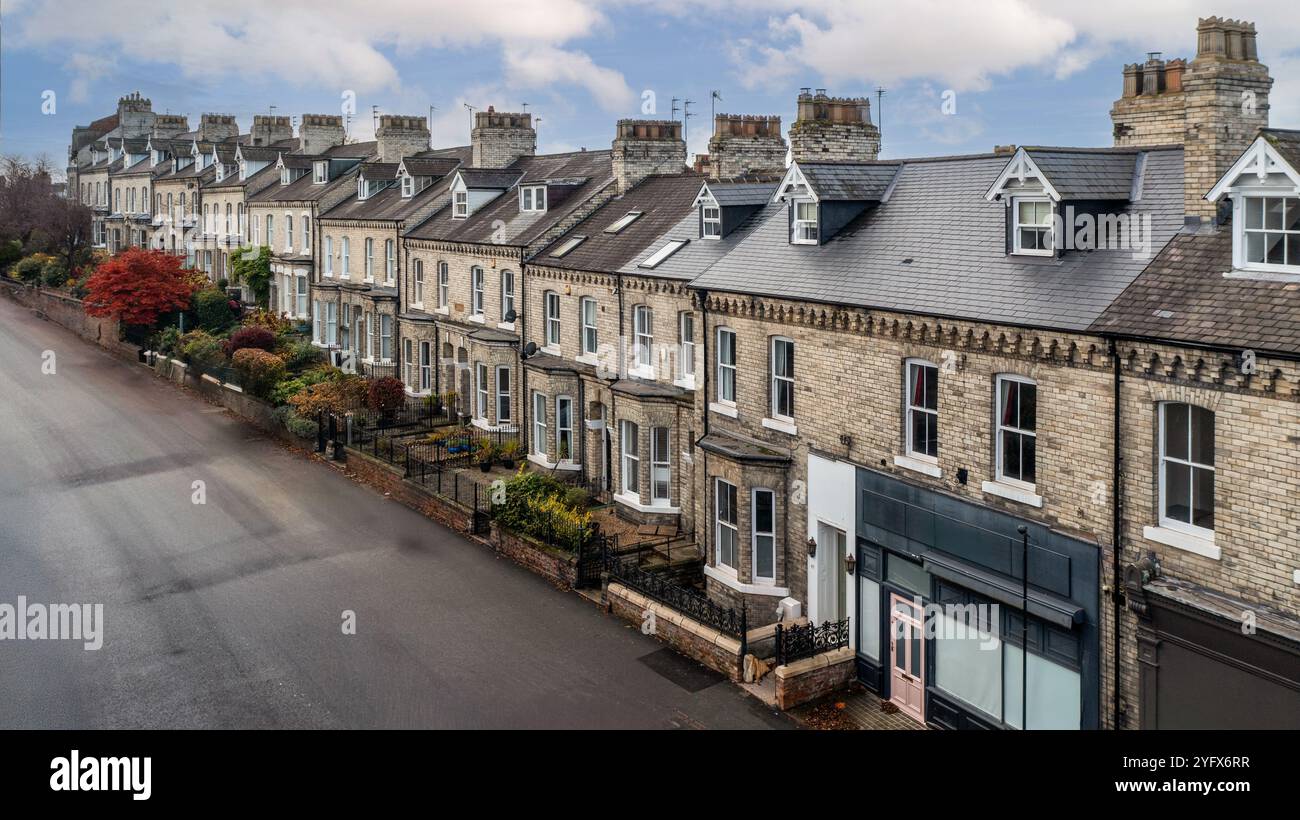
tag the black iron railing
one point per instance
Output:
(686, 601)
(797, 642)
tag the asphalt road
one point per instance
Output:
(228, 614)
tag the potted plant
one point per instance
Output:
(486, 455)
(508, 452)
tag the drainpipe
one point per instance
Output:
(521, 317)
(704, 376)
(1116, 530)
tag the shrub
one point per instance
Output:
(339, 394)
(296, 424)
(386, 395)
(258, 369)
(201, 348)
(250, 336)
(212, 307)
(298, 352)
(54, 274)
(167, 341)
(10, 252)
(287, 388)
(29, 269)
(538, 505)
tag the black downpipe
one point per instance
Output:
(521, 316)
(1116, 533)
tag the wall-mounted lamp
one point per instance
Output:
(812, 547)
(850, 563)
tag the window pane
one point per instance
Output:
(1177, 491)
(1011, 454)
(1028, 406)
(1203, 498)
(1202, 422)
(764, 511)
(963, 667)
(868, 618)
(1010, 394)
(1275, 248)
(1273, 213)
(1176, 430)
(1028, 459)
(1254, 212)
(1254, 247)
(931, 387)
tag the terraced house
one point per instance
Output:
(463, 265)
(404, 184)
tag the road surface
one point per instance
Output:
(228, 614)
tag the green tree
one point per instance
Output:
(253, 267)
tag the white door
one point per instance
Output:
(831, 543)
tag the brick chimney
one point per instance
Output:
(744, 144)
(645, 147)
(1212, 106)
(833, 129)
(135, 115)
(401, 136)
(268, 129)
(218, 127)
(166, 126)
(317, 132)
(498, 139)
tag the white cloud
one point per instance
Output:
(541, 66)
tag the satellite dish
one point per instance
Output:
(511, 315)
(530, 350)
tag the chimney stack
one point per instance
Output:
(166, 126)
(401, 136)
(319, 132)
(1212, 106)
(645, 147)
(268, 129)
(135, 115)
(833, 129)
(744, 144)
(498, 139)
(218, 127)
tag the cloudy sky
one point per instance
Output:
(1019, 71)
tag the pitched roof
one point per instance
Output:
(572, 179)
(938, 247)
(729, 194)
(843, 181)
(490, 178)
(1088, 173)
(419, 166)
(662, 200)
(1286, 142)
(1183, 295)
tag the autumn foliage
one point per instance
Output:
(137, 286)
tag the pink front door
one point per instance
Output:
(906, 657)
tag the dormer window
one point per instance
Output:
(803, 228)
(460, 205)
(1271, 232)
(408, 186)
(284, 176)
(363, 190)
(221, 171)
(320, 173)
(532, 199)
(710, 221)
(1033, 228)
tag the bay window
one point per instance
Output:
(539, 424)
(426, 366)
(660, 466)
(726, 526)
(764, 535)
(503, 394)
(481, 390)
(563, 428)
(385, 337)
(628, 439)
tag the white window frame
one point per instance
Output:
(503, 394)
(532, 199)
(590, 336)
(408, 186)
(629, 432)
(460, 205)
(756, 534)
(539, 423)
(999, 428)
(345, 253)
(408, 363)
(1016, 225)
(390, 261)
(270, 227)
(776, 379)
(426, 366)
(727, 368)
(686, 342)
(661, 466)
(306, 233)
(329, 257)
(385, 338)
(507, 294)
(476, 290)
(643, 338)
(710, 221)
(301, 284)
(317, 323)
(804, 231)
(444, 284)
(908, 409)
(732, 526)
(418, 271)
(288, 232)
(320, 173)
(1243, 233)
(1173, 523)
(331, 324)
(480, 390)
(563, 433)
(369, 255)
(551, 309)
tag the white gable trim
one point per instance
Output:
(793, 179)
(1020, 167)
(1261, 159)
(704, 196)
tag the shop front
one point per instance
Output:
(942, 624)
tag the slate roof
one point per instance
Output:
(730, 194)
(663, 201)
(389, 205)
(1287, 143)
(489, 178)
(938, 247)
(304, 188)
(849, 182)
(1184, 296)
(431, 166)
(1088, 173)
(586, 173)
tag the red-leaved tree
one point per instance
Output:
(137, 286)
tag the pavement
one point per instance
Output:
(229, 613)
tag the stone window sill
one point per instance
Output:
(1013, 493)
(917, 465)
(1183, 541)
